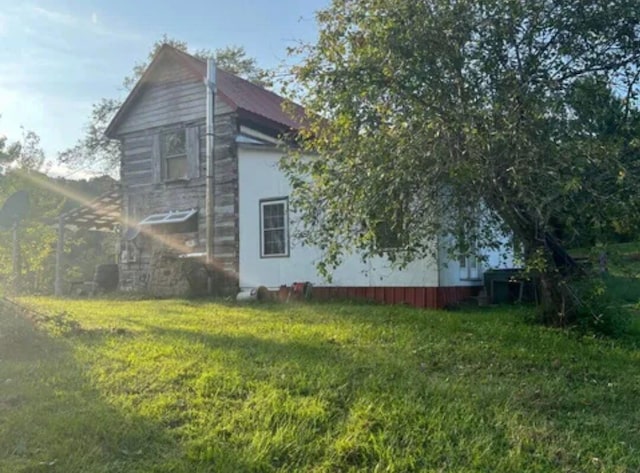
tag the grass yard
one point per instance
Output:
(177, 386)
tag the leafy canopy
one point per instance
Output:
(465, 118)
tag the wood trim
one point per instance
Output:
(420, 297)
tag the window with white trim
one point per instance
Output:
(274, 228)
(469, 265)
(174, 154)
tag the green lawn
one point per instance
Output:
(176, 386)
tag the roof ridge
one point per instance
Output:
(236, 76)
(240, 94)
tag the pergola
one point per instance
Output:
(101, 214)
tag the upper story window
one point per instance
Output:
(274, 223)
(174, 155)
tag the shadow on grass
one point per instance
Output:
(52, 419)
(441, 388)
(475, 381)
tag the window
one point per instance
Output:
(169, 217)
(174, 155)
(469, 267)
(173, 221)
(274, 228)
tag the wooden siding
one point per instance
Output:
(146, 194)
(421, 297)
(173, 95)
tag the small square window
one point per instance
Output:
(274, 224)
(174, 154)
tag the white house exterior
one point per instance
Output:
(162, 130)
(263, 184)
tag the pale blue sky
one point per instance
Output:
(57, 57)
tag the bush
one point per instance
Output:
(596, 310)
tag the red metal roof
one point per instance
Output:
(250, 100)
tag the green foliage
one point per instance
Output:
(605, 129)
(36, 237)
(37, 234)
(600, 309)
(26, 154)
(156, 386)
(458, 118)
(9, 152)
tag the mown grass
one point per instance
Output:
(177, 386)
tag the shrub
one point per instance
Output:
(596, 310)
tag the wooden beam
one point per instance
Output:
(17, 267)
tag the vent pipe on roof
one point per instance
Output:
(210, 83)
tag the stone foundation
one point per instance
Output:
(167, 276)
(171, 276)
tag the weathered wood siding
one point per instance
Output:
(174, 95)
(173, 100)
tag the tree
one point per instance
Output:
(95, 149)
(9, 152)
(459, 118)
(38, 234)
(610, 125)
(24, 154)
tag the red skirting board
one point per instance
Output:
(424, 297)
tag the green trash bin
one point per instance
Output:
(503, 285)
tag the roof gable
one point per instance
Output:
(251, 101)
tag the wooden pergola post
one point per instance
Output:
(101, 214)
(59, 257)
(17, 264)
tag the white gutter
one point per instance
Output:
(210, 83)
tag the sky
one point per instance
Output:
(58, 57)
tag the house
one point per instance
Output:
(161, 127)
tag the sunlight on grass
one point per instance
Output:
(194, 386)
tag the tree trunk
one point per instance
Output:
(547, 260)
(555, 305)
(554, 267)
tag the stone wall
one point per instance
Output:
(166, 275)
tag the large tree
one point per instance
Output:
(462, 117)
(96, 150)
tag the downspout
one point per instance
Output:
(210, 85)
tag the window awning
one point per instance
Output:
(173, 216)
